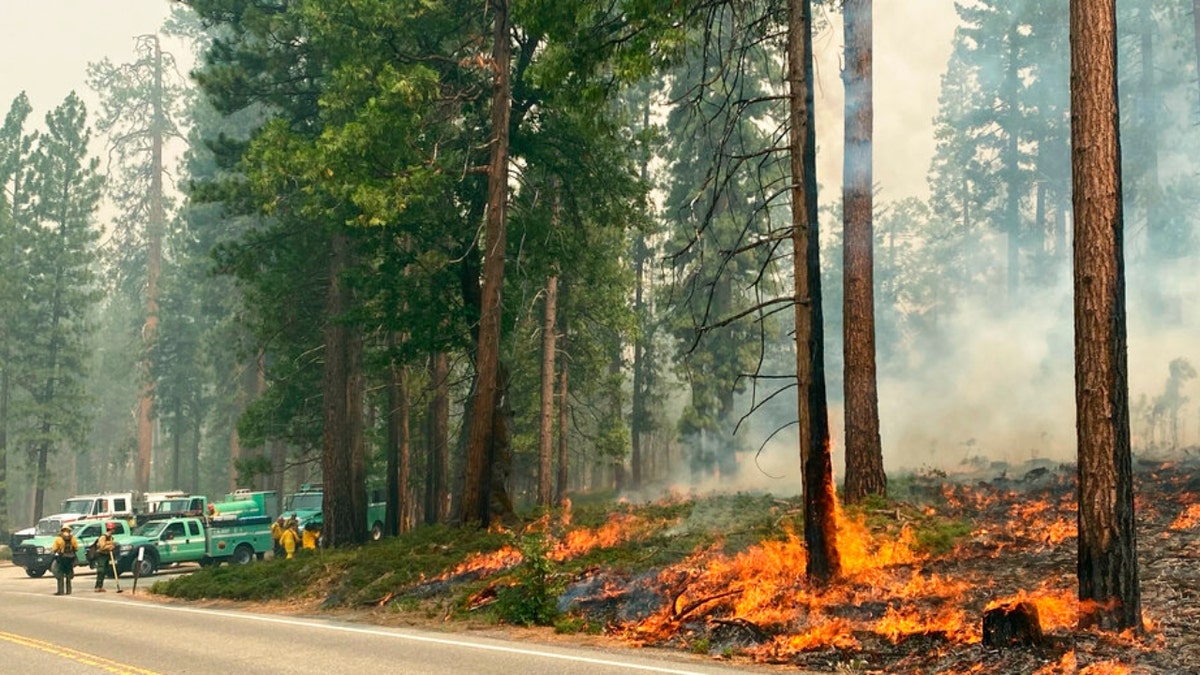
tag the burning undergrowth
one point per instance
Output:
(911, 597)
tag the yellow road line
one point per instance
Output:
(75, 655)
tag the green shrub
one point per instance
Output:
(533, 599)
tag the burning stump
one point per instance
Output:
(1012, 624)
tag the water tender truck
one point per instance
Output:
(235, 536)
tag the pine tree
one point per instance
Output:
(53, 336)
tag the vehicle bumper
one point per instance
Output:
(32, 561)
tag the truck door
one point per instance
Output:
(180, 544)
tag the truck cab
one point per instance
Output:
(104, 505)
(35, 554)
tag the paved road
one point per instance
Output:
(119, 633)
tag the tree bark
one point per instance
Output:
(154, 234)
(439, 440)
(344, 509)
(864, 451)
(560, 493)
(816, 466)
(546, 428)
(1107, 562)
(476, 497)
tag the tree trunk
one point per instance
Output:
(344, 511)
(480, 441)
(560, 493)
(864, 452)
(154, 234)
(4, 395)
(546, 428)
(1012, 170)
(816, 466)
(1107, 565)
(398, 450)
(439, 440)
(177, 444)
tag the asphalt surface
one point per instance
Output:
(89, 632)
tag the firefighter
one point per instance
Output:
(289, 538)
(64, 547)
(312, 532)
(104, 556)
(276, 534)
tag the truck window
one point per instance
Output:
(119, 505)
(101, 506)
(173, 530)
(194, 529)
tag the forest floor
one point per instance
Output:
(723, 576)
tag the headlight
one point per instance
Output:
(41, 550)
(125, 549)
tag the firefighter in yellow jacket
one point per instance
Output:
(310, 536)
(276, 536)
(290, 538)
(64, 547)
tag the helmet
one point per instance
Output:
(111, 527)
(65, 530)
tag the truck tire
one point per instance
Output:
(377, 531)
(148, 565)
(35, 573)
(242, 555)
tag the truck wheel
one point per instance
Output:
(242, 555)
(148, 565)
(377, 531)
(35, 573)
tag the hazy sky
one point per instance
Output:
(46, 45)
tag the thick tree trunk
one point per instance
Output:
(864, 451)
(546, 427)
(436, 494)
(560, 493)
(816, 466)
(154, 234)
(475, 498)
(398, 451)
(344, 511)
(1107, 565)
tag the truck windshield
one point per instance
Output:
(47, 526)
(151, 529)
(310, 501)
(80, 506)
(172, 505)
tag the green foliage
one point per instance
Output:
(532, 600)
(940, 537)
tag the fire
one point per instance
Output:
(1187, 519)
(1057, 608)
(619, 528)
(500, 559)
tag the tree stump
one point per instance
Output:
(1011, 625)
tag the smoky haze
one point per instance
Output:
(996, 390)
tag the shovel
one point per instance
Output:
(113, 566)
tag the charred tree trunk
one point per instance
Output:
(1107, 565)
(480, 441)
(344, 511)
(816, 465)
(864, 451)
(546, 429)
